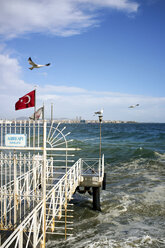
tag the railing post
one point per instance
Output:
(99, 167)
(27, 180)
(81, 166)
(44, 184)
(21, 238)
(5, 205)
(74, 176)
(102, 165)
(77, 171)
(60, 201)
(70, 185)
(53, 211)
(35, 230)
(103, 175)
(15, 190)
(34, 179)
(52, 169)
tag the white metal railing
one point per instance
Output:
(93, 166)
(32, 129)
(30, 229)
(34, 193)
(19, 179)
(56, 203)
(21, 194)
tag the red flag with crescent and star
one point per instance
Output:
(27, 101)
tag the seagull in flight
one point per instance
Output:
(35, 65)
(99, 112)
(133, 106)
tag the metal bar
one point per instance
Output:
(55, 233)
(15, 191)
(44, 185)
(38, 148)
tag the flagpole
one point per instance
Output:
(51, 112)
(35, 88)
(43, 112)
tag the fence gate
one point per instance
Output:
(34, 174)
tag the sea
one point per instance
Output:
(133, 204)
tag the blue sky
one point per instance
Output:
(104, 54)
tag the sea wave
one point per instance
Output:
(146, 241)
(133, 203)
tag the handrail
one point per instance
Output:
(28, 223)
(55, 200)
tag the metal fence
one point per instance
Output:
(30, 230)
(37, 182)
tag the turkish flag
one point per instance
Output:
(27, 101)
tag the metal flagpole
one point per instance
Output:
(51, 112)
(43, 112)
(35, 88)
(34, 130)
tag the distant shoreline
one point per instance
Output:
(71, 121)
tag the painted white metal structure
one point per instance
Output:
(37, 182)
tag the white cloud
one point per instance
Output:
(10, 74)
(11, 85)
(73, 101)
(63, 18)
(61, 89)
(126, 5)
(151, 109)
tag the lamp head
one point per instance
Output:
(100, 118)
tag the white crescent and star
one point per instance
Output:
(28, 100)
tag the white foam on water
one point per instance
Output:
(89, 238)
(108, 215)
(161, 155)
(131, 165)
(91, 139)
(146, 239)
(125, 203)
(133, 242)
(155, 195)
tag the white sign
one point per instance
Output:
(15, 140)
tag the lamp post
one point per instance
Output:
(96, 189)
(100, 120)
(100, 115)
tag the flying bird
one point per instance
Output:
(99, 112)
(133, 106)
(35, 65)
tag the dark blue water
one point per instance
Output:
(133, 205)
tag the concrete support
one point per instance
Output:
(104, 182)
(96, 198)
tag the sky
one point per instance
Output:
(106, 54)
